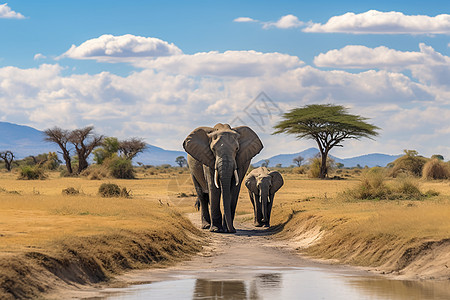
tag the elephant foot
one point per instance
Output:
(257, 224)
(266, 225)
(206, 225)
(215, 229)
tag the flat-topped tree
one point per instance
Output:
(329, 125)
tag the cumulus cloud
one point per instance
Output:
(229, 63)
(244, 20)
(285, 22)
(376, 22)
(111, 48)
(428, 65)
(7, 13)
(163, 107)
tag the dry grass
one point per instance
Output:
(85, 238)
(43, 231)
(367, 233)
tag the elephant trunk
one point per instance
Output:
(264, 194)
(225, 170)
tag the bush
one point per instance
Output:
(299, 170)
(121, 168)
(32, 173)
(436, 169)
(314, 166)
(108, 190)
(409, 164)
(70, 191)
(96, 172)
(372, 186)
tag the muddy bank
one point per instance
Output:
(80, 262)
(337, 242)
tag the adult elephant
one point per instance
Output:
(262, 185)
(218, 160)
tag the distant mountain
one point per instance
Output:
(370, 160)
(24, 141)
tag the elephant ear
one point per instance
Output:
(277, 181)
(250, 183)
(197, 145)
(249, 144)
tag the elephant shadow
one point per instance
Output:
(233, 289)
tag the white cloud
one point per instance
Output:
(39, 56)
(230, 63)
(244, 20)
(111, 48)
(376, 22)
(428, 66)
(285, 22)
(7, 13)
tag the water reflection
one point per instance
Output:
(205, 289)
(283, 283)
(403, 289)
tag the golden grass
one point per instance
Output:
(41, 229)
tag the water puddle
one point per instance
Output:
(279, 283)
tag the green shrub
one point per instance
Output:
(121, 168)
(436, 169)
(113, 190)
(32, 173)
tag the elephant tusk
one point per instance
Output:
(216, 179)
(236, 176)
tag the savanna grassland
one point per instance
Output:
(49, 239)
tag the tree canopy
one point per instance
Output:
(327, 124)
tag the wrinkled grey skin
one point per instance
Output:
(218, 159)
(262, 185)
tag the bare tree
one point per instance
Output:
(61, 138)
(85, 141)
(298, 160)
(8, 157)
(130, 148)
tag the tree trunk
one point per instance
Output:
(323, 166)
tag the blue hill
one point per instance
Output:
(370, 160)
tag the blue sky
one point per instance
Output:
(158, 69)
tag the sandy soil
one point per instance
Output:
(223, 257)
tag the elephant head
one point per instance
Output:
(224, 150)
(263, 184)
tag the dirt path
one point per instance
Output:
(226, 257)
(228, 254)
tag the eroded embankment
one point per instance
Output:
(338, 240)
(93, 259)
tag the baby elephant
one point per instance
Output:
(262, 186)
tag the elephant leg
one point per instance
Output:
(203, 199)
(214, 204)
(258, 211)
(252, 199)
(269, 210)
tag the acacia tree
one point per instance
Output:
(130, 148)
(85, 141)
(181, 161)
(61, 138)
(8, 158)
(329, 125)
